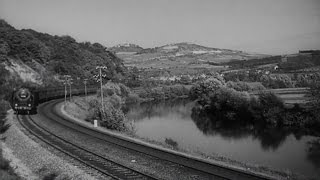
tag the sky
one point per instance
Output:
(261, 26)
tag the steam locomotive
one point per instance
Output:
(25, 100)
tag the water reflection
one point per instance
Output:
(314, 153)
(158, 109)
(270, 139)
(174, 123)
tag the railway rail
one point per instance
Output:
(118, 171)
(93, 160)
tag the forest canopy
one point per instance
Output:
(56, 54)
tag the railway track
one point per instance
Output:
(95, 161)
(214, 170)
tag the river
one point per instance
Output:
(171, 122)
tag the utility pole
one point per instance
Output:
(66, 78)
(100, 76)
(65, 92)
(85, 87)
(70, 82)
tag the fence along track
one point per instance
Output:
(101, 164)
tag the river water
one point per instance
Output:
(171, 122)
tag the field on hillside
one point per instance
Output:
(183, 55)
(177, 66)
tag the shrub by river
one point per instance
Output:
(226, 106)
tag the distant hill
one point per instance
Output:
(183, 55)
(188, 48)
(44, 56)
(289, 63)
(126, 48)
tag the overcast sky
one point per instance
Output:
(263, 26)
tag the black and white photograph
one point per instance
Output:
(160, 89)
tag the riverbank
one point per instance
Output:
(75, 111)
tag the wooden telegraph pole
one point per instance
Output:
(66, 78)
(70, 82)
(100, 76)
(85, 88)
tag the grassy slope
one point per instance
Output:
(6, 172)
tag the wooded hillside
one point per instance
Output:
(48, 54)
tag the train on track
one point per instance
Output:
(25, 100)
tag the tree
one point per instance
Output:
(58, 54)
(315, 92)
(203, 88)
(277, 81)
(133, 77)
(3, 80)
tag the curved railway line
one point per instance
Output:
(113, 169)
(93, 160)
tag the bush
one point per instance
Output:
(114, 100)
(125, 91)
(144, 93)
(4, 164)
(110, 115)
(3, 125)
(109, 89)
(7, 176)
(239, 86)
(204, 88)
(315, 92)
(171, 142)
(227, 104)
(115, 90)
(314, 152)
(113, 118)
(50, 176)
(277, 81)
(269, 99)
(245, 86)
(6, 172)
(4, 106)
(175, 91)
(132, 98)
(157, 94)
(305, 80)
(179, 90)
(228, 108)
